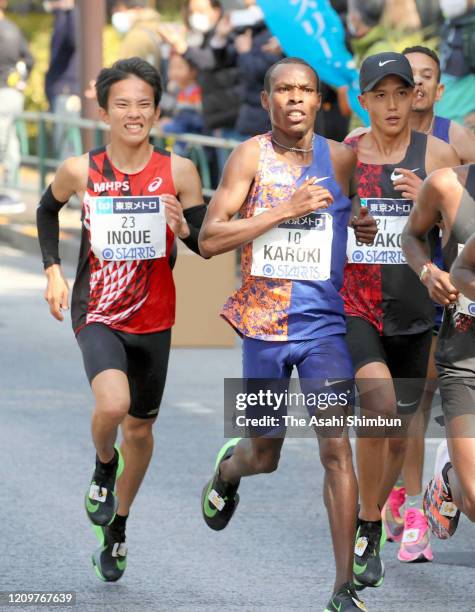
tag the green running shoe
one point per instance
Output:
(110, 559)
(219, 499)
(345, 599)
(368, 568)
(101, 501)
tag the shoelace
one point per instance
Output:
(412, 517)
(119, 549)
(103, 475)
(349, 589)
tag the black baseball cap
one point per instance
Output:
(376, 67)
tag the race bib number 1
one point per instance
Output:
(298, 249)
(127, 228)
(391, 217)
(464, 305)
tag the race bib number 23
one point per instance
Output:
(128, 228)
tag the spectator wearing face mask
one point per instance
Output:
(140, 30)
(249, 44)
(218, 74)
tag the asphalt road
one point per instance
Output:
(276, 552)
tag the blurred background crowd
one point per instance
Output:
(213, 55)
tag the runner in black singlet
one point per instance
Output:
(449, 193)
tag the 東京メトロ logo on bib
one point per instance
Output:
(127, 228)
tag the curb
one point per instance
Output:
(25, 238)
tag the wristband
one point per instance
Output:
(424, 270)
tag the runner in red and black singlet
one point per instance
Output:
(389, 317)
(127, 293)
(450, 193)
(136, 199)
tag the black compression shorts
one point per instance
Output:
(142, 357)
(406, 357)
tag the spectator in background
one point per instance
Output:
(251, 46)
(16, 63)
(217, 74)
(457, 59)
(187, 115)
(140, 30)
(62, 78)
(368, 36)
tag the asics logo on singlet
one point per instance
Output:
(395, 176)
(155, 184)
(111, 186)
(381, 64)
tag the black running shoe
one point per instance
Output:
(101, 501)
(220, 499)
(110, 559)
(346, 598)
(368, 568)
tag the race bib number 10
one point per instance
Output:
(128, 228)
(391, 217)
(298, 249)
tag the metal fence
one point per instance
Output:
(197, 147)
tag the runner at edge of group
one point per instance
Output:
(136, 199)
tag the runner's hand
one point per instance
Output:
(410, 184)
(439, 286)
(57, 291)
(364, 226)
(307, 199)
(174, 216)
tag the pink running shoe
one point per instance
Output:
(415, 545)
(392, 519)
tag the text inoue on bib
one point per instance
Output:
(298, 249)
(127, 228)
(391, 217)
(464, 305)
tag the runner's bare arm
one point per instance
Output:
(439, 154)
(424, 215)
(462, 273)
(187, 182)
(463, 141)
(70, 178)
(221, 233)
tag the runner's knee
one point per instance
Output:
(335, 455)
(396, 446)
(112, 405)
(138, 434)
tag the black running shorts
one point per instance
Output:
(406, 356)
(142, 357)
(457, 392)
